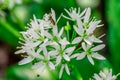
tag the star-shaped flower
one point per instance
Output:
(90, 52)
(74, 14)
(44, 62)
(105, 75)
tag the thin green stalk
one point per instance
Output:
(73, 34)
(77, 50)
(68, 35)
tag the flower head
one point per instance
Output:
(44, 44)
(90, 52)
(74, 14)
(105, 75)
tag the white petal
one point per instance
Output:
(88, 41)
(61, 32)
(39, 50)
(90, 59)
(38, 56)
(48, 35)
(20, 51)
(58, 60)
(67, 69)
(99, 47)
(42, 69)
(91, 28)
(51, 65)
(80, 27)
(97, 77)
(84, 46)
(61, 71)
(36, 44)
(81, 56)
(45, 52)
(70, 50)
(26, 60)
(53, 53)
(55, 31)
(74, 55)
(68, 13)
(66, 57)
(42, 29)
(37, 65)
(78, 31)
(76, 40)
(82, 13)
(98, 56)
(102, 74)
(97, 40)
(87, 15)
(64, 41)
(63, 47)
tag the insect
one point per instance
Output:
(51, 19)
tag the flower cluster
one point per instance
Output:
(105, 75)
(47, 45)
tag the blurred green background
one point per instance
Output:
(14, 16)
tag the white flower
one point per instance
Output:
(84, 27)
(46, 45)
(74, 15)
(85, 34)
(90, 52)
(44, 62)
(61, 52)
(55, 36)
(30, 56)
(105, 75)
(62, 55)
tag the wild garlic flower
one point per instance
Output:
(90, 52)
(62, 52)
(74, 14)
(44, 61)
(55, 36)
(63, 55)
(44, 44)
(85, 28)
(105, 75)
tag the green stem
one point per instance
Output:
(4, 24)
(68, 35)
(73, 34)
(77, 50)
